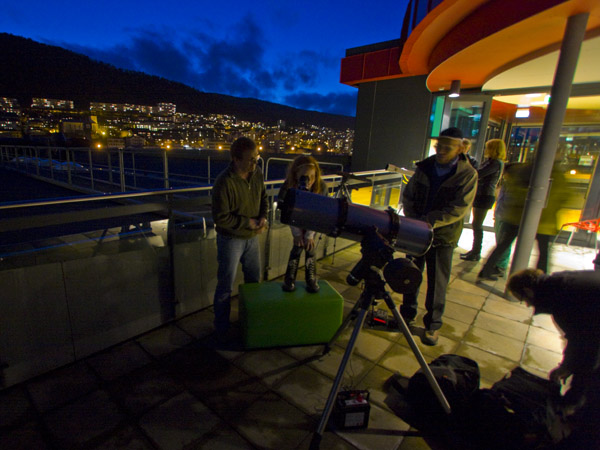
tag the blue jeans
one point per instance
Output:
(230, 252)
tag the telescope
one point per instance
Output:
(337, 217)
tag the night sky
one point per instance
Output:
(282, 51)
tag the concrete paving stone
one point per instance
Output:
(119, 361)
(368, 345)
(83, 420)
(375, 383)
(270, 365)
(461, 313)
(178, 422)
(550, 340)
(329, 365)
(462, 285)
(392, 335)
(390, 434)
(497, 344)
(144, 389)
(545, 321)
(15, 408)
(506, 309)
(61, 386)
(222, 386)
(306, 389)
(329, 441)
(491, 367)
(304, 352)
(164, 340)
(454, 329)
(465, 298)
(444, 345)
(540, 359)
(222, 437)
(501, 325)
(414, 443)
(504, 297)
(273, 423)
(402, 360)
(128, 438)
(199, 324)
(27, 437)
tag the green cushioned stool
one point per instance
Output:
(270, 317)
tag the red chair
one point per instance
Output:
(592, 226)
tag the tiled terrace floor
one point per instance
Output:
(172, 389)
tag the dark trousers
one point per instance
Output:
(439, 264)
(508, 234)
(478, 218)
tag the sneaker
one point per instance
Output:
(430, 337)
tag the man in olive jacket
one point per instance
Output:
(239, 210)
(441, 193)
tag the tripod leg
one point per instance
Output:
(413, 345)
(351, 316)
(316, 440)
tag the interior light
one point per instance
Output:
(522, 113)
(454, 89)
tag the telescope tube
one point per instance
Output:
(337, 217)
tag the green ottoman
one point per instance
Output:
(270, 317)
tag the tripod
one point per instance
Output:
(374, 289)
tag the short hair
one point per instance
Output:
(526, 278)
(496, 149)
(240, 146)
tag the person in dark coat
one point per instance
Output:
(440, 192)
(488, 176)
(573, 300)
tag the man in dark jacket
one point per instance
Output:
(441, 193)
(573, 299)
(239, 210)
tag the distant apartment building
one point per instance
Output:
(51, 103)
(115, 143)
(9, 105)
(216, 144)
(135, 141)
(166, 108)
(82, 127)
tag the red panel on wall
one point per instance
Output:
(394, 61)
(352, 68)
(376, 64)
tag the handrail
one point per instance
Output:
(104, 197)
(321, 163)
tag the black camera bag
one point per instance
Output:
(458, 378)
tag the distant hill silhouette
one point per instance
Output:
(31, 69)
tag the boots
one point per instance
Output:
(311, 275)
(289, 281)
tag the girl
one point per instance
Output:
(304, 173)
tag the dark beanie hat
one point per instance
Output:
(452, 132)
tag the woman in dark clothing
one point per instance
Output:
(488, 175)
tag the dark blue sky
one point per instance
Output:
(282, 51)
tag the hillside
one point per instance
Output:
(31, 69)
